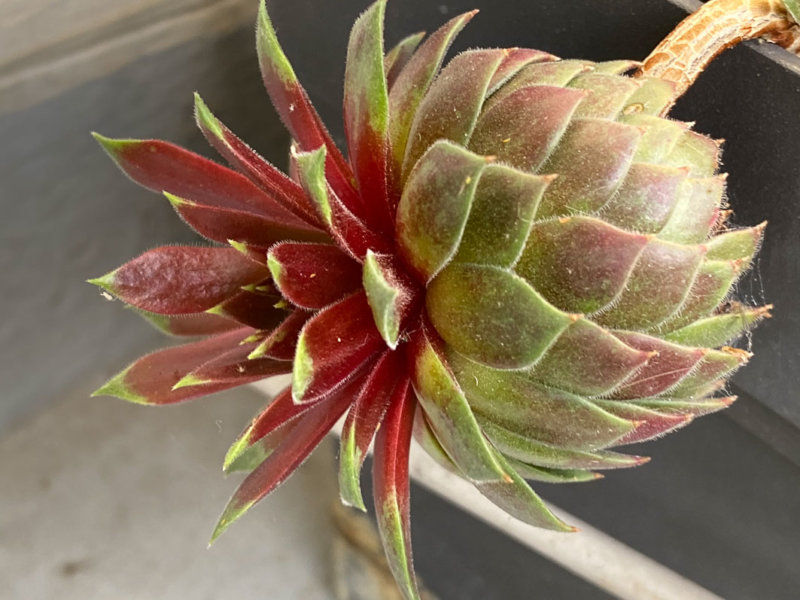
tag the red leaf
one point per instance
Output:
(235, 367)
(258, 306)
(161, 166)
(333, 345)
(190, 325)
(261, 172)
(280, 344)
(386, 384)
(313, 275)
(182, 279)
(306, 434)
(391, 489)
(150, 379)
(296, 111)
(225, 224)
(366, 116)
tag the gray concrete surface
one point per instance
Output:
(102, 500)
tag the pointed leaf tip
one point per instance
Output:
(189, 381)
(206, 118)
(105, 282)
(117, 388)
(232, 512)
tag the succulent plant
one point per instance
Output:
(521, 263)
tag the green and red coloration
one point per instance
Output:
(522, 264)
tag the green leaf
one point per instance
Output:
(435, 205)
(449, 413)
(501, 216)
(510, 399)
(493, 316)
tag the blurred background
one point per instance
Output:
(99, 499)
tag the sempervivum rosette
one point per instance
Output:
(522, 263)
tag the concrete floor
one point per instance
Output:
(102, 499)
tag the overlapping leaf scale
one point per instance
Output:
(512, 494)
(514, 401)
(410, 88)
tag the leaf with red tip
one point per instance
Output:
(435, 205)
(513, 494)
(532, 452)
(588, 360)
(391, 490)
(448, 410)
(412, 84)
(580, 264)
(333, 345)
(591, 159)
(384, 386)
(295, 109)
(657, 287)
(651, 424)
(304, 436)
(190, 325)
(351, 233)
(282, 341)
(392, 295)
(366, 115)
(181, 279)
(285, 191)
(459, 90)
(511, 400)
(668, 364)
(313, 275)
(150, 379)
(397, 58)
(523, 128)
(164, 167)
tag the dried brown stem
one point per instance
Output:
(717, 26)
